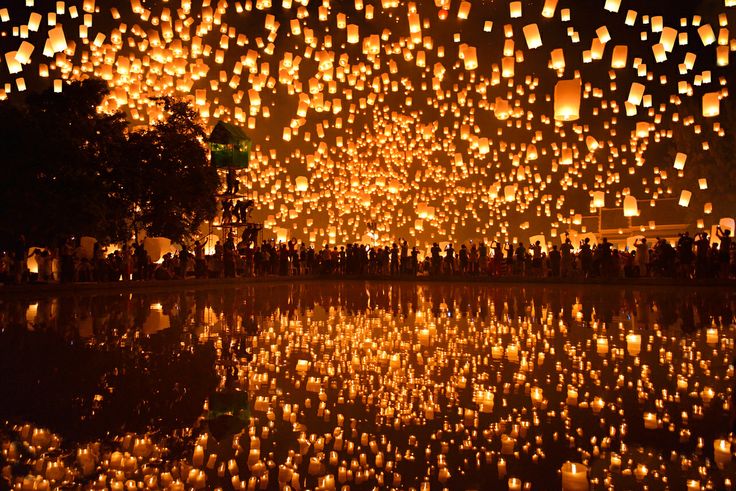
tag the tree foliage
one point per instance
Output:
(68, 169)
(170, 155)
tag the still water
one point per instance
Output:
(369, 385)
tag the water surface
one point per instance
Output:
(369, 384)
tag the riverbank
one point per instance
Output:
(213, 283)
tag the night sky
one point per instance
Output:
(393, 127)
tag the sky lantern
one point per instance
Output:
(515, 9)
(464, 10)
(631, 209)
(557, 59)
(680, 159)
(548, 10)
(685, 198)
(599, 199)
(636, 92)
(612, 5)
(711, 104)
(57, 39)
(707, 36)
(470, 58)
(567, 100)
(532, 36)
(619, 55)
(23, 55)
(353, 34)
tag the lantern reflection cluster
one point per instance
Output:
(456, 387)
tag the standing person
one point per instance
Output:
(183, 262)
(414, 261)
(555, 258)
(394, 259)
(642, 256)
(566, 258)
(685, 255)
(537, 258)
(141, 261)
(404, 256)
(450, 259)
(200, 264)
(482, 258)
(231, 180)
(586, 258)
(436, 259)
(724, 251)
(702, 247)
(497, 258)
(509, 258)
(228, 256)
(473, 259)
(520, 259)
(463, 258)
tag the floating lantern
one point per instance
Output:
(532, 36)
(567, 100)
(680, 159)
(548, 10)
(599, 199)
(685, 198)
(711, 104)
(301, 184)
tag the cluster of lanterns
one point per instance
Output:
(430, 398)
(347, 98)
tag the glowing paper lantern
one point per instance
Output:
(502, 108)
(567, 100)
(57, 39)
(707, 36)
(353, 34)
(470, 58)
(464, 10)
(711, 104)
(631, 209)
(599, 199)
(612, 5)
(548, 10)
(618, 58)
(558, 59)
(685, 197)
(636, 92)
(532, 36)
(515, 9)
(301, 184)
(680, 159)
(509, 192)
(23, 55)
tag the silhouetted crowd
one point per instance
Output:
(689, 258)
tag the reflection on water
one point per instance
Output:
(369, 385)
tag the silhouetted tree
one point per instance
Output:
(68, 169)
(170, 181)
(58, 157)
